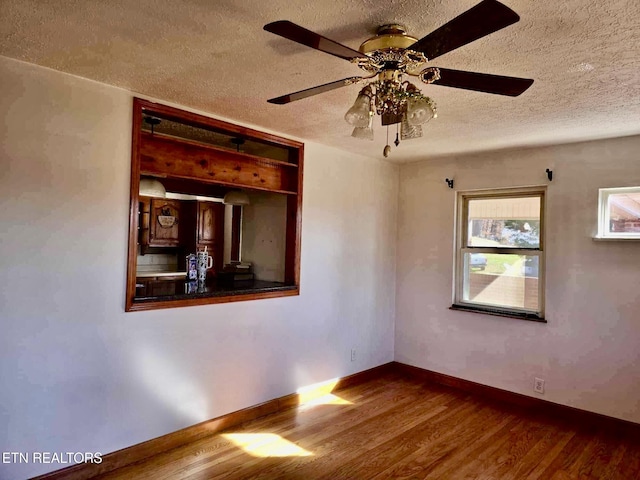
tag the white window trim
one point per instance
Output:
(604, 218)
(461, 249)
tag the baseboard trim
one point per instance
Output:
(145, 450)
(539, 405)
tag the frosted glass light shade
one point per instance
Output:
(407, 131)
(236, 197)
(151, 187)
(364, 133)
(358, 115)
(418, 111)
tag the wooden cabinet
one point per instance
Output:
(159, 224)
(210, 232)
(210, 224)
(164, 229)
(204, 228)
(196, 225)
(189, 224)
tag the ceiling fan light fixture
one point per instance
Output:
(395, 101)
(409, 131)
(364, 133)
(420, 110)
(360, 113)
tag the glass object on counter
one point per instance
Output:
(192, 267)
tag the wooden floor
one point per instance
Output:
(399, 428)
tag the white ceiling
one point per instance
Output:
(214, 56)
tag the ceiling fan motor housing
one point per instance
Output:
(387, 37)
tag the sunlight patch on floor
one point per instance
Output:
(266, 445)
(320, 394)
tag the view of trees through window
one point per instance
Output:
(500, 262)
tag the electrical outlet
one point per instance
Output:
(538, 385)
(353, 354)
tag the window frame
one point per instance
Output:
(604, 217)
(461, 248)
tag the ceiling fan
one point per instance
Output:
(391, 54)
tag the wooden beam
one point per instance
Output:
(161, 155)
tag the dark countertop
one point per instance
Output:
(163, 273)
(163, 290)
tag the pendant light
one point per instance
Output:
(236, 197)
(151, 187)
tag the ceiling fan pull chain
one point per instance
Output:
(397, 141)
(387, 147)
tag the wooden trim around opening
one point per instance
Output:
(145, 450)
(193, 302)
(185, 162)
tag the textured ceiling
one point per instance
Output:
(214, 56)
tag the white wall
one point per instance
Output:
(79, 374)
(589, 351)
(264, 228)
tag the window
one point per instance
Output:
(619, 214)
(500, 252)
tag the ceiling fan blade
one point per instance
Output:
(483, 82)
(486, 17)
(309, 92)
(298, 34)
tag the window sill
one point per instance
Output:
(616, 239)
(497, 313)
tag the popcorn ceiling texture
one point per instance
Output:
(214, 56)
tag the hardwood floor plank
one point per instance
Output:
(541, 451)
(610, 471)
(438, 441)
(594, 459)
(393, 427)
(629, 466)
(569, 455)
(386, 456)
(360, 436)
(381, 396)
(470, 457)
(527, 450)
(551, 454)
(511, 451)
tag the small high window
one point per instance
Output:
(500, 254)
(619, 214)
